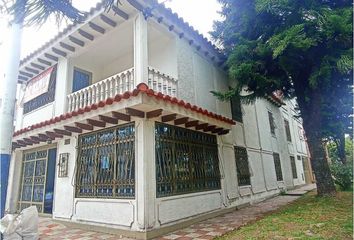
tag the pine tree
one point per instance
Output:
(301, 47)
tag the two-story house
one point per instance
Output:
(117, 129)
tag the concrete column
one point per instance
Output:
(62, 87)
(145, 174)
(13, 189)
(140, 49)
(7, 105)
(19, 109)
(227, 170)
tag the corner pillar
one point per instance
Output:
(145, 174)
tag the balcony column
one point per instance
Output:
(62, 88)
(140, 50)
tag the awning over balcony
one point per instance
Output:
(142, 102)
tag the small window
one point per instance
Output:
(293, 167)
(287, 130)
(81, 79)
(271, 123)
(243, 171)
(301, 133)
(277, 166)
(236, 109)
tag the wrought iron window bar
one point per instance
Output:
(33, 180)
(243, 171)
(277, 165)
(186, 161)
(106, 163)
(293, 167)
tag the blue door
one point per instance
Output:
(81, 79)
(38, 175)
(49, 185)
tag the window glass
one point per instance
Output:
(293, 167)
(287, 130)
(243, 171)
(271, 123)
(277, 165)
(236, 109)
(186, 161)
(106, 163)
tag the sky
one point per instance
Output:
(198, 13)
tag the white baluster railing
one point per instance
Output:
(109, 87)
(161, 82)
(118, 84)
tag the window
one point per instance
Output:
(81, 79)
(301, 133)
(277, 166)
(186, 161)
(45, 98)
(293, 167)
(236, 109)
(287, 130)
(271, 123)
(105, 163)
(243, 171)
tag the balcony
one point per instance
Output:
(118, 84)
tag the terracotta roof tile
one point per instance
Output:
(141, 88)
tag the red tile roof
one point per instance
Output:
(141, 88)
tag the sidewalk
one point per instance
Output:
(201, 231)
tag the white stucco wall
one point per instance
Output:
(40, 114)
(162, 51)
(172, 209)
(63, 186)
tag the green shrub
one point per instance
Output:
(343, 175)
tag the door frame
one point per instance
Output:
(40, 148)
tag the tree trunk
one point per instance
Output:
(312, 125)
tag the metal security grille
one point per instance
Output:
(277, 166)
(186, 161)
(37, 185)
(243, 171)
(33, 181)
(45, 98)
(287, 130)
(106, 163)
(293, 167)
(236, 109)
(271, 123)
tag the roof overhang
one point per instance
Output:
(98, 22)
(142, 103)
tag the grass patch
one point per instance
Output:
(309, 217)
